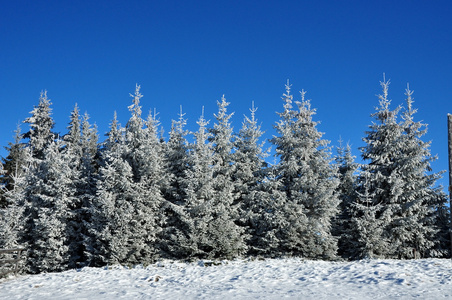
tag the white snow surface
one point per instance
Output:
(243, 279)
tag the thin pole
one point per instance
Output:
(449, 130)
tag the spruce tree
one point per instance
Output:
(346, 190)
(151, 185)
(308, 181)
(226, 235)
(197, 185)
(81, 147)
(177, 165)
(248, 177)
(176, 157)
(382, 150)
(129, 192)
(414, 229)
(49, 196)
(103, 223)
(401, 183)
(86, 190)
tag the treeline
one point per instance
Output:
(73, 201)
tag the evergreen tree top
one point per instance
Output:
(40, 134)
(135, 121)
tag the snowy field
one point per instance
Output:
(260, 279)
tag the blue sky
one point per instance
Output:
(189, 53)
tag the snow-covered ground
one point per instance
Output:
(258, 279)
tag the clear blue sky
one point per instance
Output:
(189, 53)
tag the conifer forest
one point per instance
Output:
(73, 200)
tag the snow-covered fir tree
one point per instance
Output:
(45, 192)
(74, 135)
(346, 190)
(48, 196)
(86, 190)
(401, 182)
(226, 235)
(103, 204)
(382, 182)
(22, 164)
(177, 165)
(129, 192)
(248, 176)
(115, 135)
(308, 180)
(176, 157)
(414, 226)
(153, 182)
(197, 185)
(81, 147)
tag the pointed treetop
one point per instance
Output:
(135, 108)
(201, 121)
(385, 85)
(303, 93)
(288, 86)
(253, 111)
(409, 99)
(179, 125)
(383, 113)
(181, 116)
(287, 97)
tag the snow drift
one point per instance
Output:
(243, 279)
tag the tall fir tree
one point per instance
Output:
(226, 235)
(197, 185)
(101, 225)
(346, 190)
(49, 195)
(382, 150)
(86, 190)
(308, 180)
(81, 147)
(248, 177)
(127, 211)
(174, 231)
(152, 184)
(414, 232)
(30, 179)
(401, 183)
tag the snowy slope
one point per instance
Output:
(260, 279)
